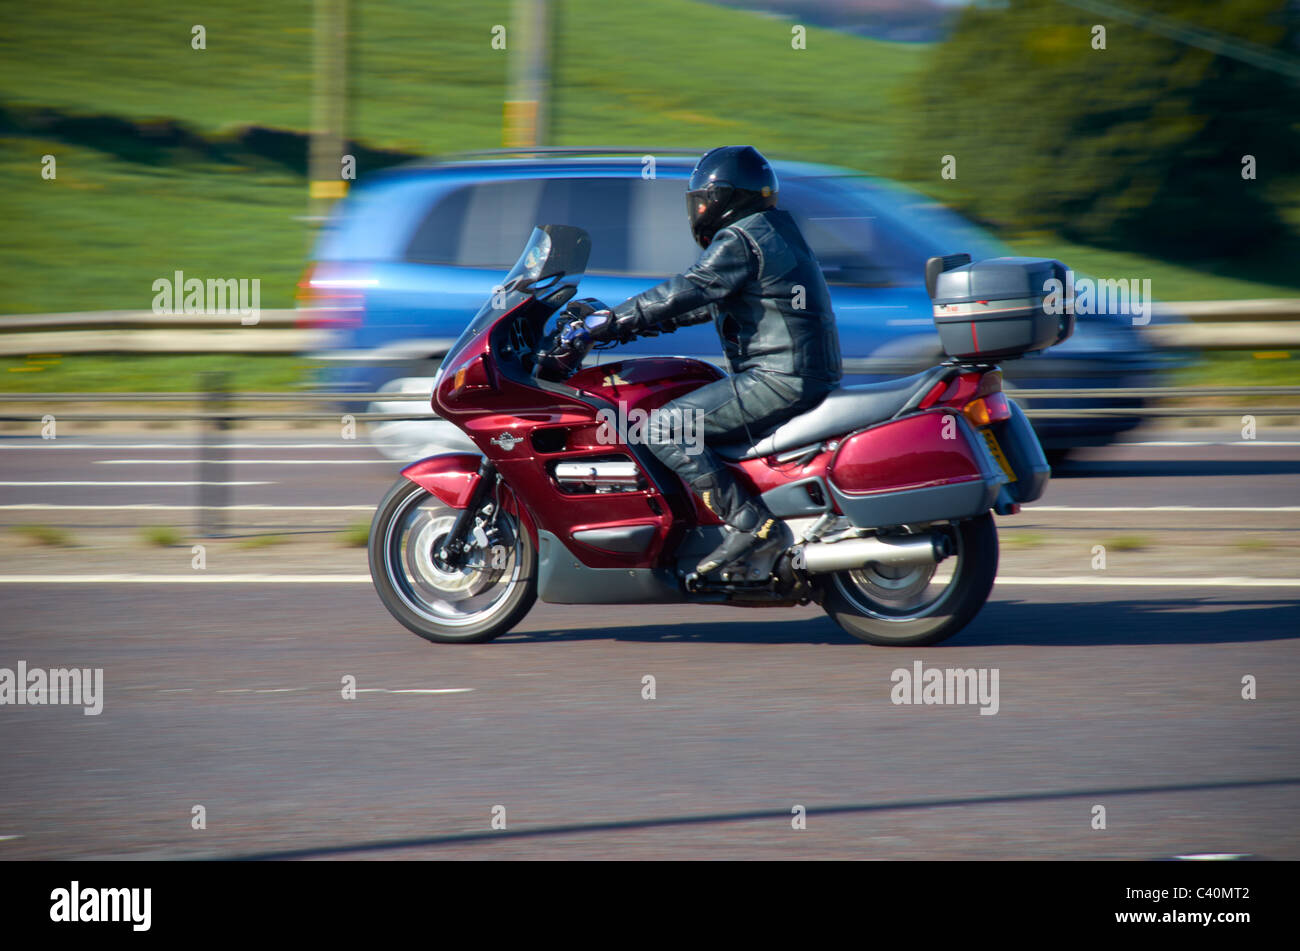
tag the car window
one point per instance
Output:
(485, 225)
(660, 240)
(597, 205)
(854, 244)
(481, 225)
(498, 220)
(438, 236)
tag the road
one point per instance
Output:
(1119, 688)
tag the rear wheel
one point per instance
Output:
(483, 596)
(916, 606)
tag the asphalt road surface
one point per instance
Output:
(229, 696)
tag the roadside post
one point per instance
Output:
(214, 471)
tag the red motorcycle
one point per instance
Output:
(888, 487)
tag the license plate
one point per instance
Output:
(998, 454)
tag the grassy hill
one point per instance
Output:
(424, 79)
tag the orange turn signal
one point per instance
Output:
(989, 409)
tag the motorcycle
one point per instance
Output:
(889, 488)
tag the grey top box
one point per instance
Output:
(997, 279)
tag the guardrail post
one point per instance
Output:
(214, 474)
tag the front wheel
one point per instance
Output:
(483, 596)
(917, 606)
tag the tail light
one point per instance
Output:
(988, 405)
(978, 395)
(987, 409)
(331, 296)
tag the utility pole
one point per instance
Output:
(528, 48)
(328, 108)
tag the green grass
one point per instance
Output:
(261, 541)
(663, 72)
(1024, 540)
(424, 79)
(1233, 368)
(1127, 543)
(147, 373)
(1253, 543)
(164, 536)
(357, 535)
(43, 535)
(100, 234)
(1210, 280)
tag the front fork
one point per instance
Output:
(454, 545)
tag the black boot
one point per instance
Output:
(750, 546)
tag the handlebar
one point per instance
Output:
(563, 349)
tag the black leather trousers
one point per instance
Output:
(739, 408)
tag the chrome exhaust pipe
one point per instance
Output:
(821, 558)
(603, 473)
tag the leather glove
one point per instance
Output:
(599, 320)
(584, 307)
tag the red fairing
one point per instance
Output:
(908, 453)
(646, 382)
(450, 476)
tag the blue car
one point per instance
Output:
(411, 254)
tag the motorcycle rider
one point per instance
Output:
(761, 284)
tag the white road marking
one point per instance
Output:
(197, 578)
(1213, 856)
(59, 444)
(6, 838)
(361, 690)
(248, 462)
(150, 506)
(417, 690)
(1236, 442)
(118, 484)
(200, 577)
(1031, 507)
(1085, 581)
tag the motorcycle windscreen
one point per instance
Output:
(555, 256)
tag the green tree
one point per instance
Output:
(1137, 145)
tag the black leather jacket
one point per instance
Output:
(773, 306)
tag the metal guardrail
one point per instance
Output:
(223, 413)
(1140, 392)
(1264, 324)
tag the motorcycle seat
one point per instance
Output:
(843, 410)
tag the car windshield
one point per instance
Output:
(865, 233)
(555, 256)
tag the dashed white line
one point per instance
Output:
(1013, 580)
(1213, 856)
(413, 690)
(1086, 581)
(52, 444)
(150, 506)
(1160, 508)
(249, 462)
(416, 690)
(116, 485)
(1237, 442)
(197, 578)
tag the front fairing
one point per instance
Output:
(555, 258)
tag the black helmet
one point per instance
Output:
(728, 183)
